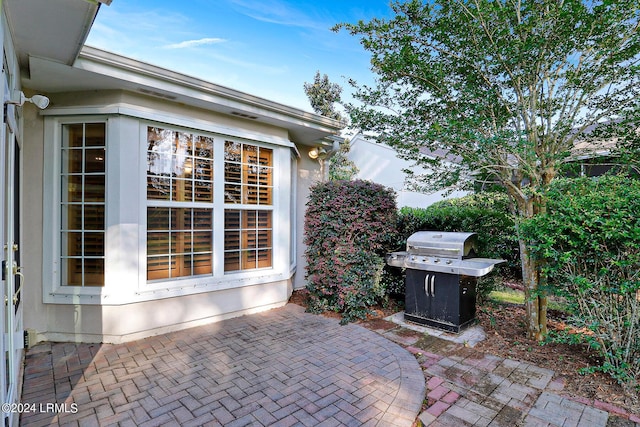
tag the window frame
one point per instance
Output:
(177, 204)
(220, 279)
(52, 202)
(71, 202)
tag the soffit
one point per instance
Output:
(53, 29)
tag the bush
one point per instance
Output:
(349, 226)
(486, 214)
(590, 242)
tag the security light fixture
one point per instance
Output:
(318, 153)
(39, 101)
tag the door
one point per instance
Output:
(12, 279)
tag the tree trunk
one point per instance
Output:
(535, 299)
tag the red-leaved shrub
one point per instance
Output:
(349, 226)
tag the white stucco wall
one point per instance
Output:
(380, 163)
(308, 175)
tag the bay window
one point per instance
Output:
(143, 210)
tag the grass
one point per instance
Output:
(513, 296)
(510, 296)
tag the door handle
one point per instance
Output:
(433, 285)
(427, 289)
(17, 293)
(17, 271)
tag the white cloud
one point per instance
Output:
(279, 12)
(193, 43)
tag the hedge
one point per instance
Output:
(590, 243)
(486, 214)
(349, 226)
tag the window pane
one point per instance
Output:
(203, 169)
(231, 261)
(203, 191)
(72, 271)
(72, 218)
(204, 147)
(94, 217)
(72, 161)
(82, 208)
(158, 188)
(94, 272)
(73, 186)
(202, 241)
(93, 244)
(73, 135)
(157, 243)
(94, 135)
(202, 264)
(94, 188)
(157, 268)
(158, 218)
(264, 258)
(231, 239)
(202, 219)
(232, 172)
(247, 240)
(264, 219)
(72, 244)
(232, 193)
(94, 160)
(232, 151)
(179, 242)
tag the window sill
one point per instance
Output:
(162, 290)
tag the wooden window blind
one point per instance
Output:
(247, 239)
(179, 242)
(83, 175)
(179, 166)
(180, 204)
(248, 174)
(248, 180)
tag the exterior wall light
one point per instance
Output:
(39, 101)
(318, 153)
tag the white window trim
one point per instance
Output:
(53, 290)
(135, 288)
(219, 279)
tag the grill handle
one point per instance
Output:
(430, 285)
(433, 285)
(434, 248)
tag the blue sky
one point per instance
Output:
(267, 48)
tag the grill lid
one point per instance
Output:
(444, 252)
(444, 244)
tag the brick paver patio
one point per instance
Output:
(286, 367)
(282, 367)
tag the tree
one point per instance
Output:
(341, 168)
(323, 95)
(506, 88)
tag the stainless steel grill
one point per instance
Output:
(441, 271)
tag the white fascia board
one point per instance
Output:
(202, 92)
